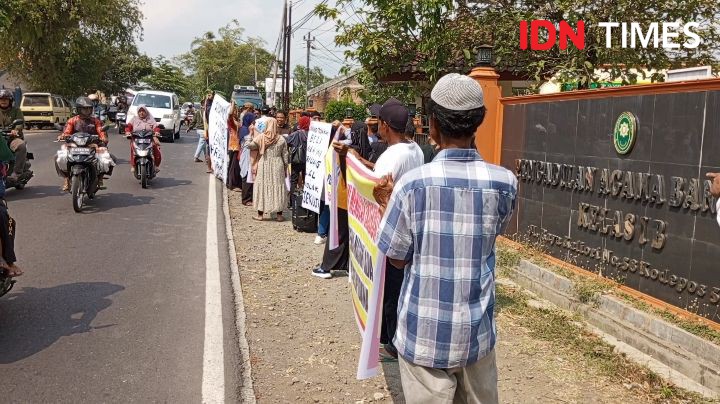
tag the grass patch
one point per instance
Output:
(693, 327)
(588, 289)
(575, 342)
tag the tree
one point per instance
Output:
(337, 111)
(616, 61)
(66, 47)
(300, 75)
(374, 92)
(167, 77)
(434, 37)
(221, 61)
(128, 67)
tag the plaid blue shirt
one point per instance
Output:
(443, 218)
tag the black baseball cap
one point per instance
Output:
(375, 110)
(394, 113)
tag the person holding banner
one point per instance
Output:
(234, 179)
(440, 225)
(269, 191)
(247, 156)
(401, 156)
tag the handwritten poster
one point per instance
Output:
(367, 263)
(317, 146)
(218, 137)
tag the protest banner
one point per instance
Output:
(317, 146)
(218, 137)
(332, 183)
(367, 262)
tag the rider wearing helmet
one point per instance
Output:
(83, 122)
(8, 114)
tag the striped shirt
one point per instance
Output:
(443, 219)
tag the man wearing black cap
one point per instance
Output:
(401, 156)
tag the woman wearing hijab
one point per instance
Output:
(246, 158)
(269, 169)
(234, 179)
(144, 121)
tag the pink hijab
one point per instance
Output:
(139, 124)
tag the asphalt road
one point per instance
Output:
(112, 306)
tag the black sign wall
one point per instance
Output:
(616, 185)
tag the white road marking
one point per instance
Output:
(213, 381)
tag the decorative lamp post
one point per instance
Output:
(488, 138)
(349, 121)
(484, 56)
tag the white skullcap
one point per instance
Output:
(457, 92)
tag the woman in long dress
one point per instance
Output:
(270, 169)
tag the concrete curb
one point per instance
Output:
(247, 393)
(662, 342)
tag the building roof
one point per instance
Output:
(332, 83)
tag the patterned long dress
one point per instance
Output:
(270, 193)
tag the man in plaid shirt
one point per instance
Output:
(440, 224)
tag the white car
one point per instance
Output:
(164, 107)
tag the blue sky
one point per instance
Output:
(171, 25)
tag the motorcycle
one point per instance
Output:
(86, 160)
(142, 151)
(27, 174)
(120, 118)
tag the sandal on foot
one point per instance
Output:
(14, 271)
(386, 358)
(280, 218)
(258, 218)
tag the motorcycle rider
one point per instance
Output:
(144, 121)
(8, 114)
(83, 122)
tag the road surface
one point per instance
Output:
(129, 301)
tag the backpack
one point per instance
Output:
(298, 154)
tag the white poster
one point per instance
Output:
(218, 137)
(317, 146)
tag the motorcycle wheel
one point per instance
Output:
(78, 197)
(143, 175)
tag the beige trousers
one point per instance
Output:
(476, 383)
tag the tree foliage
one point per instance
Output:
(68, 47)
(337, 110)
(617, 62)
(300, 75)
(168, 77)
(374, 92)
(434, 37)
(221, 60)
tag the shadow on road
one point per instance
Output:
(35, 318)
(107, 201)
(34, 192)
(162, 182)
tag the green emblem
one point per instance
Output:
(624, 134)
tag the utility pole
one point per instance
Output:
(288, 38)
(309, 42)
(274, 92)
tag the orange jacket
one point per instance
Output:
(90, 125)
